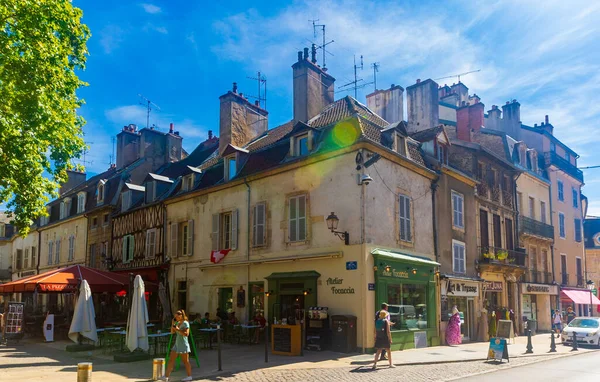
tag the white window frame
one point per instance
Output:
(296, 222)
(458, 214)
(457, 260)
(188, 182)
(218, 235)
(71, 255)
(125, 200)
(561, 191)
(562, 231)
(532, 208)
(228, 168)
(128, 248)
(187, 238)
(80, 202)
(151, 243)
(297, 145)
(405, 220)
(575, 195)
(57, 248)
(50, 252)
(259, 227)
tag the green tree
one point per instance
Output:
(42, 46)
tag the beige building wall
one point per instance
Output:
(77, 228)
(29, 246)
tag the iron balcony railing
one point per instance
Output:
(507, 198)
(564, 280)
(539, 277)
(494, 255)
(536, 228)
(552, 158)
(580, 281)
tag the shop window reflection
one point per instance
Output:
(407, 306)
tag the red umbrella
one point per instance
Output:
(67, 280)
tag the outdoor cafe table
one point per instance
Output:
(250, 330)
(210, 334)
(156, 336)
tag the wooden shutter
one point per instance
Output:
(259, 232)
(124, 250)
(216, 221)
(234, 229)
(131, 248)
(173, 246)
(148, 244)
(190, 238)
(302, 218)
(293, 219)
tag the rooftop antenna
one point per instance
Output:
(458, 75)
(84, 152)
(112, 156)
(324, 44)
(354, 84)
(148, 105)
(375, 67)
(262, 82)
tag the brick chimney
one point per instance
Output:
(128, 145)
(463, 131)
(313, 88)
(388, 104)
(423, 105)
(74, 179)
(476, 115)
(511, 119)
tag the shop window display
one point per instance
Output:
(407, 306)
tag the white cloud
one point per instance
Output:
(155, 28)
(151, 8)
(111, 37)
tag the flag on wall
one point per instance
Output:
(217, 256)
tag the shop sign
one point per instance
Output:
(336, 290)
(461, 288)
(371, 286)
(493, 286)
(351, 265)
(527, 288)
(396, 274)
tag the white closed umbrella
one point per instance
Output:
(137, 330)
(84, 316)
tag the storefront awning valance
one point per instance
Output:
(404, 257)
(581, 297)
(293, 275)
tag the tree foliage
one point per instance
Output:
(42, 46)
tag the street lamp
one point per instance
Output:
(108, 261)
(590, 286)
(332, 224)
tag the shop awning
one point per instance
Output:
(293, 275)
(404, 257)
(581, 296)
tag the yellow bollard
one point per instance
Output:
(158, 368)
(84, 372)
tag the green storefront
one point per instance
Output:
(408, 284)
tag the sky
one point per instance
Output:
(183, 55)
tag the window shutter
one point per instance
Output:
(302, 218)
(173, 246)
(190, 238)
(215, 231)
(234, 229)
(57, 249)
(259, 224)
(124, 254)
(293, 218)
(131, 248)
(408, 229)
(148, 233)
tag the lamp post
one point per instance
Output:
(591, 286)
(332, 224)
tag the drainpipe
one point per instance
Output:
(517, 214)
(434, 186)
(363, 249)
(552, 246)
(248, 240)
(39, 254)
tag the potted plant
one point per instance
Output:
(489, 256)
(502, 255)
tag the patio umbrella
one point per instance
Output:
(137, 330)
(84, 316)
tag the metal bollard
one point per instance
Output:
(84, 372)
(219, 346)
(529, 346)
(158, 368)
(575, 342)
(552, 343)
(266, 342)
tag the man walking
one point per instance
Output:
(570, 315)
(384, 307)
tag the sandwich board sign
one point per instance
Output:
(498, 349)
(505, 329)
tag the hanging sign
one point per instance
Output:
(460, 288)
(493, 286)
(498, 350)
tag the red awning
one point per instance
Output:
(581, 296)
(68, 279)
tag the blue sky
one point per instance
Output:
(183, 55)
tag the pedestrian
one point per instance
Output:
(383, 337)
(181, 327)
(557, 321)
(384, 307)
(453, 336)
(570, 315)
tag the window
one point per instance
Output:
(105, 219)
(400, 144)
(519, 202)
(50, 252)
(33, 257)
(561, 191)
(480, 171)
(563, 269)
(552, 146)
(150, 191)
(93, 254)
(80, 203)
(26, 259)
(71, 248)
(543, 211)
(94, 222)
(128, 248)
(231, 168)
(561, 225)
(408, 306)
(508, 226)
(187, 238)
(259, 232)
(2, 230)
(297, 218)
(442, 155)
(188, 182)
(301, 145)
(579, 268)
(458, 257)
(19, 264)
(531, 207)
(578, 230)
(568, 157)
(44, 219)
(224, 230)
(151, 244)
(575, 197)
(182, 294)
(64, 208)
(457, 210)
(125, 201)
(405, 228)
(100, 193)
(507, 183)
(57, 252)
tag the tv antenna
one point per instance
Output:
(84, 153)
(354, 84)
(112, 156)
(458, 75)
(262, 83)
(324, 44)
(148, 105)
(375, 67)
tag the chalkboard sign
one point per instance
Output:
(505, 329)
(498, 349)
(14, 320)
(282, 340)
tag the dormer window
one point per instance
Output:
(44, 219)
(125, 201)
(100, 193)
(399, 144)
(80, 202)
(442, 153)
(231, 167)
(65, 208)
(150, 192)
(188, 182)
(302, 145)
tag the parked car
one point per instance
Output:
(587, 329)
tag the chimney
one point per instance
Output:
(423, 105)
(234, 87)
(313, 54)
(462, 91)
(388, 104)
(128, 146)
(463, 131)
(511, 119)
(313, 89)
(476, 115)
(210, 134)
(240, 121)
(546, 119)
(159, 148)
(171, 128)
(74, 179)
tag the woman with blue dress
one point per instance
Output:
(181, 327)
